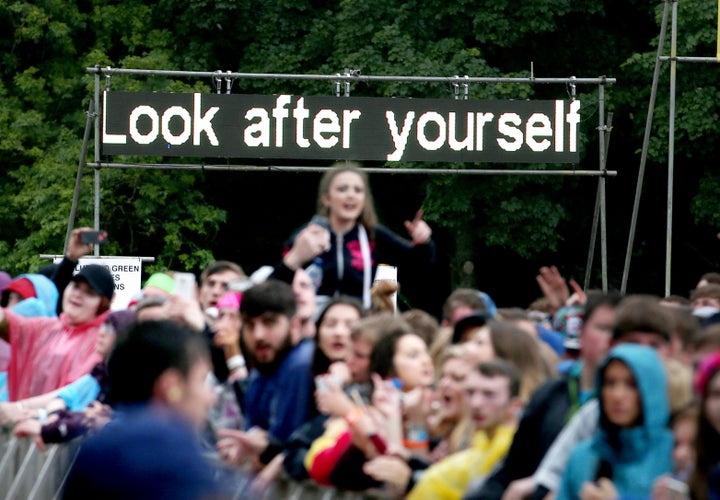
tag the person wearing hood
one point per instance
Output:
(31, 295)
(632, 445)
(48, 353)
(74, 409)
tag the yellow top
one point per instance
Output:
(449, 478)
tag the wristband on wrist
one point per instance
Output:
(42, 415)
(235, 363)
(417, 437)
(353, 416)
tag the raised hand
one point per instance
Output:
(553, 286)
(76, 248)
(418, 229)
(310, 242)
(236, 446)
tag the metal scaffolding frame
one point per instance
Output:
(342, 83)
(673, 58)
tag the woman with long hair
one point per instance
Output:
(333, 344)
(343, 245)
(503, 340)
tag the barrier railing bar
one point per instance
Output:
(27, 466)
(47, 482)
(7, 467)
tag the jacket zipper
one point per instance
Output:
(340, 259)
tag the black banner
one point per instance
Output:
(336, 128)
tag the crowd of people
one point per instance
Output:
(306, 370)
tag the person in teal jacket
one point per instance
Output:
(633, 444)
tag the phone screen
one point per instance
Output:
(185, 285)
(93, 237)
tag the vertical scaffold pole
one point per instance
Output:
(671, 150)
(646, 142)
(78, 177)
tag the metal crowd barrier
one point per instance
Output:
(26, 473)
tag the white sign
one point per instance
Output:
(126, 272)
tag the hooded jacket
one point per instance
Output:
(644, 451)
(43, 305)
(45, 302)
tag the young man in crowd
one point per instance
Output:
(705, 300)
(492, 392)
(214, 282)
(279, 396)
(465, 302)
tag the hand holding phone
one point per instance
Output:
(93, 237)
(184, 285)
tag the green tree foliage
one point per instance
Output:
(45, 47)
(44, 91)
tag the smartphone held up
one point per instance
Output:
(94, 237)
(184, 285)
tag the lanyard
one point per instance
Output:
(367, 265)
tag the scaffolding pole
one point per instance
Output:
(81, 164)
(643, 155)
(349, 76)
(673, 58)
(375, 170)
(671, 151)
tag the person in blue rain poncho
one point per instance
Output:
(633, 444)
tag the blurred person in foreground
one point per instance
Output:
(158, 386)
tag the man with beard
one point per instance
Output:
(279, 394)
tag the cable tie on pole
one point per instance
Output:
(228, 82)
(107, 79)
(456, 87)
(347, 82)
(338, 86)
(350, 73)
(466, 88)
(573, 88)
(217, 81)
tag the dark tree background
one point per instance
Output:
(501, 229)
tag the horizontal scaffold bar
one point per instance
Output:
(349, 77)
(377, 170)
